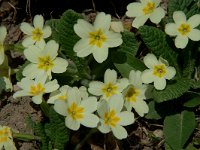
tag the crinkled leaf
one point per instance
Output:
(152, 114)
(130, 44)
(193, 102)
(155, 40)
(56, 130)
(178, 128)
(173, 90)
(19, 75)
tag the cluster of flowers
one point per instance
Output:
(106, 105)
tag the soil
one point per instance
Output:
(14, 112)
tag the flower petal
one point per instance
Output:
(60, 65)
(102, 21)
(116, 102)
(171, 29)
(83, 28)
(100, 54)
(119, 132)
(179, 17)
(122, 84)
(102, 108)
(21, 94)
(181, 41)
(74, 96)
(89, 104)
(194, 35)
(30, 71)
(104, 128)
(113, 39)
(28, 41)
(32, 53)
(83, 48)
(38, 21)
(157, 15)
(46, 31)
(60, 107)
(110, 76)
(51, 49)
(90, 120)
(51, 86)
(134, 9)
(2, 56)
(37, 99)
(171, 71)
(194, 21)
(147, 76)
(150, 60)
(140, 107)
(3, 33)
(139, 21)
(135, 77)
(95, 88)
(126, 118)
(26, 28)
(72, 124)
(160, 83)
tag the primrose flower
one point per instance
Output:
(183, 29)
(111, 117)
(96, 38)
(158, 72)
(144, 10)
(110, 86)
(44, 61)
(134, 94)
(36, 33)
(3, 33)
(36, 88)
(62, 94)
(77, 110)
(6, 139)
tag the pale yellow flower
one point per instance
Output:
(158, 72)
(36, 33)
(96, 38)
(6, 139)
(183, 29)
(144, 10)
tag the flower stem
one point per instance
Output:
(45, 108)
(92, 131)
(25, 137)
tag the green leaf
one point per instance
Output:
(2, 84)
(130, 45)
(173, 90)
(19, 75)
(152, 114)
(178, 128)
(132, 63)
(67, 38)
(193, 102)
(156, 42)
(56, 130)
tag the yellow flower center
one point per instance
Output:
(149, 8)
(184, 29)
(37, 89)
(109, 89)
(45, 63)
(37, 34)
(75, 112)
(63, 97)
(159, 70)
(131, 94)
(111, 119)
(4, 135)
(97, 38)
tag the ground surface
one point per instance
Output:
(143, 135)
